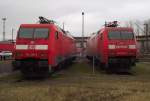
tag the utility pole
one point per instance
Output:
(82, 34)
(140, 28)
(146, 32)
(4, 19)
(93, 65)
(12, 34)
(138, 32)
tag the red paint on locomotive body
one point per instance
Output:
(45, 45)
(7, 46)
(113, 45)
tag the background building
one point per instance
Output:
(81, 44)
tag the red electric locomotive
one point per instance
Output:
(41, 48)
(113, 47)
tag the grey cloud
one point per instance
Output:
(69, 11)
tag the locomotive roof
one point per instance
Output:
(48, 25)
(118, 28)
(113, 29)
(37, 25)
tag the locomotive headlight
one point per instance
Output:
(111, 46)
(132, 46)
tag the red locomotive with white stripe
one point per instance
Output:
(113, 47)
(41, 48)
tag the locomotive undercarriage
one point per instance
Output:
(120, 64)
(33, 67)
(115, 64)
(130, 61)
(39, 67)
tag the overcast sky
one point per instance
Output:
(69, 12)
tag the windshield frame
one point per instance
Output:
(125, 33)
(114, 38)
(33, 34)
(25, 37)
(121, 35)
(44, 33)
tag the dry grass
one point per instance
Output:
(79, 84)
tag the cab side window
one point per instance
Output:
(56, 35)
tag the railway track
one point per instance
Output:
(78, 82)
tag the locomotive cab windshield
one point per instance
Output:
(120, 35)
(33, 33)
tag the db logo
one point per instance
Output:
(31, 46)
